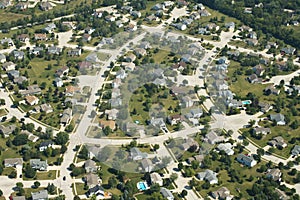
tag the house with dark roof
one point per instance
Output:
(45, 145)
(167, 194)
(296, 150)
(246, 160)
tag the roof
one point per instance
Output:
(19, 198)
(13, 161)
(166, 193)
(46, 143)
(92, 179)
(90, 163)
(155, 177)
(42, 194)
(221, 193)
(277, 117)
(296, 150)
(110, 123)
(146, 163)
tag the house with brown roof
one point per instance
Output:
(40, 36)
(92, 180)
(31, 100)
(71, 90)
(174, 119)
(62, 71)
(110, 123)
(222, 194)
(66, 116)
(84, 65)
(23, 38)
(13, 162)
(45, 6)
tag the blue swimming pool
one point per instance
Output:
(246, 102)
(142, 186)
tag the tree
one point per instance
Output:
(51, 188)
(156, 147)
(20, 139)
(173, 177)
(13, 174)
(29, 172)
(1, 193)
(183, 193)
(154, 188)
(112, 182)
(62, 138)
(36, 184)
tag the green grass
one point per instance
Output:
(47, 175)
(80, 188)
(8, 170)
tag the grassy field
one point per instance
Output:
(80, 188)
(47, 175)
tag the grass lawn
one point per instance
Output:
(6, 16)
(48, 175)
(8, 170)
(160, 56)
(2, 112)
(80, 188)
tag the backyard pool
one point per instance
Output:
(246, 102)
(142, 186)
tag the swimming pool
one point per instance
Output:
(142, 186)
(246, 102)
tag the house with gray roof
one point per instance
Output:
(92, 180)
(136, 154)
(66, 116)
(222, 194)
(158, 122)
(13, 162)
(19, 198)
(296, 150)
(246, 160)
(12, 74)
(7, 130)
(147, 165)
(40, 195)
(90, 166)
(274, 174)
(209, 176)
(54, 50)
(278, 142)
(262, 130)
(2, 58)
(167, 194)
(39, 164)
(212, 138)
(278, 118)
(19, 55)
(226, 147)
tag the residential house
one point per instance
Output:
(136, 154)
(187, 102)
(253, 78)
(258, 70)
(221, 85)
(131, 27)
(45, 6)
(140, 52)
(22, 5)
(7, 41)
(36, 50)
(182, 3)
(116, 102)
(145, 45)
(274, 174)
(158, 122)
(130, 57)
(156, 179)
(226, 147)
(92, 180)
(97, 191)
(209, 176)
(112, 114)
(18, 55)
(2, 58)
(31, 100)
(5, 3)
(278, 118)
(110, 18)
(40, 36)
(12, 74)
(252, 35)
(168, 3)
(167, 194)
(84, 65)
(70, 25)
(133, 129)
(31, 90)
(288, 50)
(116, 92)
(296, 150)
(90, 166)
(13, 162)
(23, 38)
(261, 130)
(278, 142)
(174, 119)
(246, 160)
(58, 82)
(199, 158)
(47, 108)
(71, 90)
(45, 145)
(151, 18)
(180, 26)
(264, 107)
(89, 30)
(271, 90)
(86, 37)
(233, 103)
(31, 137)
(98, 14)
(54, 50)
(158, 6)
(74, 52)
(160, 81)
(8, 66)
(18, 198)
(49, 28)
(295, 23)
(271, 45)
(107, 123)
(179, 66)
(38, 164)
(251, 42)
(212, 138)
(212, 26)
(121, 74)
(7, 130)
(281, 194)
(107, 41)
(147, 165)
(189, 143)
(66, 116)
(222, 194)
(40, 195)
(230, 25)
(136, 14)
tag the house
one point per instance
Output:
(133, 129)
(112, 114)
(136, 14)
(7, 130)
(2, 58)
(145, 45)
(22, 5)
(278, 118)
(278, 142)
(168, 3)
(180, 26)
(295, 23)
(222, 194)
(92, 180)
(23, 38)
(116, 92)
(47, 108)
(131, 27)
(38, 164)
(233, 54)
(97, 190)
(209, 176)
(174, 119)
(13, 162)
(182, 3)
(121, 74)
(5, 3)
(40, 195)
(167, 194)
(110, 18)
(226, 147)
(90, 166)
(281, 194)
(31, 137)
(274, 174)
(7, 41)
(252, 35)
(188, 21)
(66, 116)
(45, 145)
(71, 90)
(233, 103)
(107, 41)
(107, 123)
(288, 50)
(31, 90)
(147, 165)
(31, 100)
(12, 74)
(179, 66)
(136, 154)
(156, 179)
(258, 70)
(140, 52)
(212, 138)
(271, 90)
(70, 25)
(8, 66)
(221, 85)
(92, 57)
(198, 158)
(253, 78)
(36, 50)
(19, 55)
(116, 83)
(204, 13)
(230, 25)
(251, 42)
(130, 57)
(187, 102)
(160, 81)
(158, 122)
(58, 82)
(98, 14)
(116, 102)
(74, 52)
(49, 28)
(18, 198)
(40, 36)
(246, 160)
(189, 143)
(86, 37)
(89, 30)
(45, 6)
(296, 150)
(54, 50)
(84, 65)
(158, 6)
(151, 18)
(262, 130)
